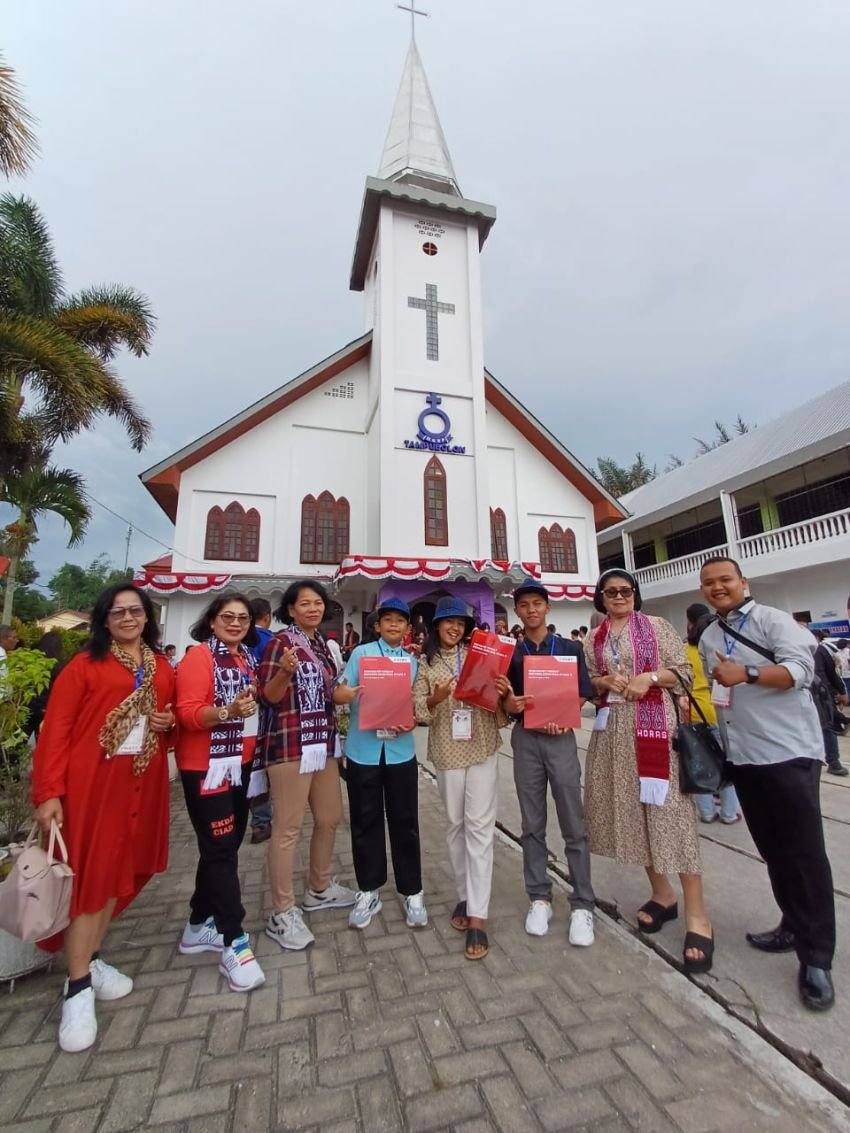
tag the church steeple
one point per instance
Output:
(415, 150)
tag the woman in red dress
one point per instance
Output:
(100, 770)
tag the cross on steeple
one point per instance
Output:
(432, 309)
(414, 12)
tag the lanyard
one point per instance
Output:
(615, 646)
(140, 675)
(731, 643)
(536, 653)
(397, 652)
(446, 665)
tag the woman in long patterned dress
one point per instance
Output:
(100, 772)
(634, 811)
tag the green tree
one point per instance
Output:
(33, 494)
(55, 349)
(78, 588)
(30, 604)
(17, 141)
(723, 435)
(619, 479)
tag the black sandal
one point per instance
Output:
(704, 944)
(660, 914)
(476, 937)
(459, 914)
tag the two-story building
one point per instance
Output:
(398, 465)
(777, 499)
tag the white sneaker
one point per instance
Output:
(239, 967)
(539, 915)
(289, 930)
(415, 913)
(367, 904)
(107, 982)
(336, 896)
(203, 938)
(78, 1028)
(581, 928)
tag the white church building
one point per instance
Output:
(403, 466)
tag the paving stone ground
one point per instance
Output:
(391, 1029)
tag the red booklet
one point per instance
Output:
(487, 657)
(386, 696)
(551, 684)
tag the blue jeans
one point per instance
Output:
(728, 804)
(261, 816)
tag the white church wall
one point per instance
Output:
(318, 443)
(502, 489)
(543, 496)
(403, 532)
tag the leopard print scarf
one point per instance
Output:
(141, 702)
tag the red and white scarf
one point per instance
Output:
(652, 740)
(230, 680)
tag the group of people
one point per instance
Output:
(252, 716)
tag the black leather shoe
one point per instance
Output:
(816, 990)
(777, 940)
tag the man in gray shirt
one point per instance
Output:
(774, 747)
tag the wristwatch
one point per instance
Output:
(223, 714)
(752, 672)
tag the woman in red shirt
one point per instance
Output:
(217, 712)
(100, 771)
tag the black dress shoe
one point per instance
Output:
(816, 990)
(777, 940)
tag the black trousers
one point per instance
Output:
(219, 819)
(781, 803)
(394, 788)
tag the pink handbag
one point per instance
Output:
(35, 899)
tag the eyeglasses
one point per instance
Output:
(241, 619)
(119, 612)
(618, 591)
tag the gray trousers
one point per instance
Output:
(540, 760)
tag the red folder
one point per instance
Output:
(551, 684)
(488, 656)
(386, 695)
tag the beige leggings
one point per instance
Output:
(290, 793)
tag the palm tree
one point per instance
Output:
(58, 346)
(17, 142)
(33, 494)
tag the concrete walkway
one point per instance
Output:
(394, 1030)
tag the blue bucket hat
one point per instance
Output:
(531, 586)
(394, 605)
(453, 608)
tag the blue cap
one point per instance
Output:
(531, 586)
(453, 608)
(394, 605)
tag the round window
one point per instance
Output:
(429, 249)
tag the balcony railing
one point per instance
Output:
(821, 529)
(686, 566)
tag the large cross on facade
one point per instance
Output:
(433, 309)
(414, 12)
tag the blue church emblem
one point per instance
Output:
(434, 439)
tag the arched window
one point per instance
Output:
(324, 529)
(558, 553)
(436, 510)
(233, 534)
(498, 536)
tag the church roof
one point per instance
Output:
(163, 480)
(415, 150)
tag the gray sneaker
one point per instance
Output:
(289, 930)
(336, 896)
(415, 913)
(367, 904)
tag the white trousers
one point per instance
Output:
(470, 796)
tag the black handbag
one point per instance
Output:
(702, 760)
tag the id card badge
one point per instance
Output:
(251, 725)
(461, 723)
(601, 721)
(386, 733)
(616, 698)
(721, 697)
(135, 741)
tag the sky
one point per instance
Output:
(671, 179)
